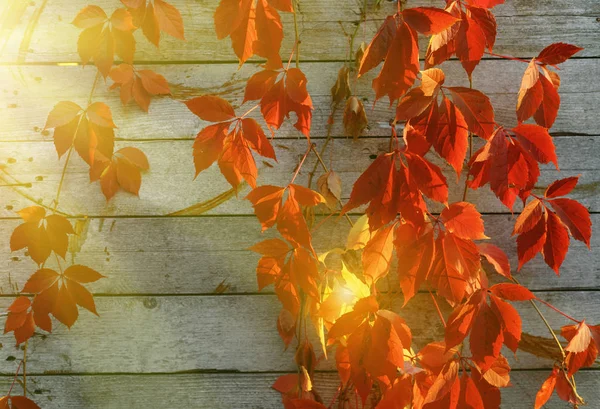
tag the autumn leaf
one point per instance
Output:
(280, 93)
(41, 234)
(21, 320)
(231, 148)
(17, 402)
(102, 37)
(123, 171)
(463, 220)
(254, 27)
(87, 130)
(155, 16)
(330, 187)
(474, 30)
(396, 44)
(355, 118)
(139, 85)
(59, 294)
(545, 392)
(540, 229)
(489, 325)
(509, 161)
(557, 53)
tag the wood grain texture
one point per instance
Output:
(169, 185)
(525, 28)
(140, 334)
(194, 255)
(232, 391)
(29, 93)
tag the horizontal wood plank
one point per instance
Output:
(29, 93)
(234, 333)
(227, 391)
(169, 185)
(525, 27)
(196, 255)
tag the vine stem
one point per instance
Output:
(25, 368)
(15, 378)
(541, 315)
(466, 190)
(437, 307)
(64, 171)
(567, 316)
(295, 4)
(310, 147)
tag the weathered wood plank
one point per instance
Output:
(184, 333)
(31, 92)
(226, 391)
(525, 27)
(195, 255)
(36, 164)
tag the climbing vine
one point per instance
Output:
(403, 201)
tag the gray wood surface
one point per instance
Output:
(189, 255)
(30, 92)
(525, 28)
(169, 186)
(154, 333)
(243, 391)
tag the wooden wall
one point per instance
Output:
(166, 337)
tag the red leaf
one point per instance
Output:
(253, 28)
(575, 216)
(548, 109)
(378, 47)
(82, 274)
(375, 186)
(377, 255)
(529, 217)
(512, 292)
(531, 242)
(510, 321)
(496, 257)
(415, 252)
(485, 3)
(487, 22)
(486, 337)
(463, 220)
(398, 396)
(211, 108)
(451, 140)
(469, 394)
(531, 93)
(266, 201)
(561, 187)
(470, 43)
(579, 338)
(461, 320)
(287, 95)
(476, 108)
(401, 64)
(21, 402)
(429, 178)
(557, 242)
(546, 390)
(102, 37)
(428, 20)
(537, 141)
(557, 53)
(458, 261)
